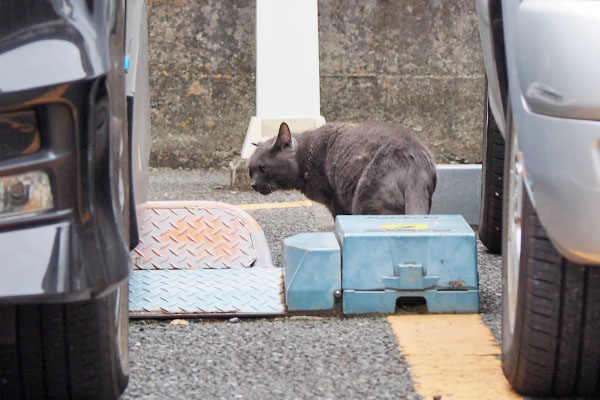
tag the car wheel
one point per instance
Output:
(490, 218)
(65, 351)
(550, 306)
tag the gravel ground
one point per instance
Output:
(283, 358)
(169, 184)
(490, 289)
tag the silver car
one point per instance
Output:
(541, 188)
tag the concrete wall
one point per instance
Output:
(416, 62)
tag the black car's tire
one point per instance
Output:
(492, 182)
(550, 341)
(65, 351)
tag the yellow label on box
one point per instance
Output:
(404, 226)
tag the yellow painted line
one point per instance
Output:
(264, 206)
(452, 356)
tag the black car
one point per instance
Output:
(74, 148)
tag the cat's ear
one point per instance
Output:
(284, 138)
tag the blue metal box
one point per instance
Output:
(312, 271)
(391, 257)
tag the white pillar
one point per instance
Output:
(287, 69)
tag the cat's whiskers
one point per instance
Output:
(271, 187)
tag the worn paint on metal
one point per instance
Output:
(199, 235)
(199, 258)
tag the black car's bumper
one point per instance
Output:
(64, 186)
(64, 238)
(50, 263)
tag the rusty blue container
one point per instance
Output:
(390, 258)
(312, 271)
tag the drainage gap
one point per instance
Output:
(411, 305)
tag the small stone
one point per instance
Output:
(179, 322)
(195, 89)
(234, 320)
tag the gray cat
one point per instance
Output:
(368, 168)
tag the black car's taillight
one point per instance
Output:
(45, 153)
(25, 192)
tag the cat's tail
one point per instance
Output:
(417, 197)
(417, 201)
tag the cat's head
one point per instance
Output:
(273, 165)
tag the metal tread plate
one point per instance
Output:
(215, 292)
(202, 258)
(197, 235)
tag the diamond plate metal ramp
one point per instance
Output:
(202, 258)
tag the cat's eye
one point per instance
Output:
(262, 168)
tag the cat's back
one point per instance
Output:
(368, 136)
(372, 167)
(355, 149)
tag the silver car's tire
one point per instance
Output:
(550, 306)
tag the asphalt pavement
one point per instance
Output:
(277, 358)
